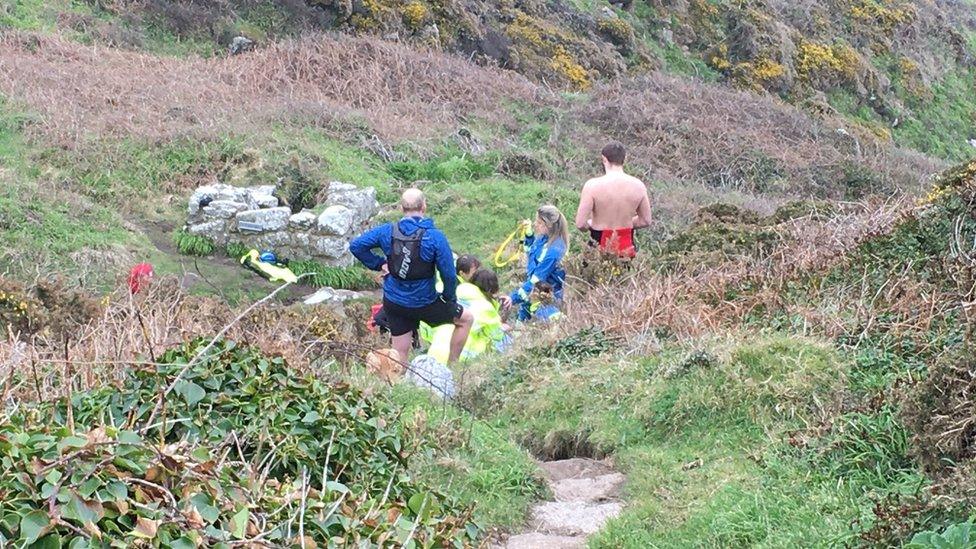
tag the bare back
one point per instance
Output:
(614, 201)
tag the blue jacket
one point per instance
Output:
(543, 266)
(433, 248)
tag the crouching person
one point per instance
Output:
(546, 248)
(477, 296)
(414, 251)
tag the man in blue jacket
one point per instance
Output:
(412, 249)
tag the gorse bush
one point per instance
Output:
(244, 448)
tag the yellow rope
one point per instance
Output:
(498, 260)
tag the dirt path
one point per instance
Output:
(586, 496)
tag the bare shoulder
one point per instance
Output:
(592, 182)
(637, 183)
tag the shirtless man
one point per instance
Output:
(613, 205)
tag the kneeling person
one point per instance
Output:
(487, 330)
(414, 252)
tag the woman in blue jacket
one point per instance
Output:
(545, 249)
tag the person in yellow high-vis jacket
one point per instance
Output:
(486, 333)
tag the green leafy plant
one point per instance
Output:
(347, 278)
(244, 448)
(236, 250)
(193, 244)
(956, 536)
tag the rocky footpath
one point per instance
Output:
(254, 217)
(586, 496)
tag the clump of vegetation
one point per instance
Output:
(721, 212)
(697, 360)
(939, 409)
(955, 536)
(618, 31)
(452, 167)
(795, 209)
(193, 244)
(585, 343)
(725, 238)
(46, 308)
(516, 164)
(297, 187)
(837, 63)
(18, 310)
(347, 278)
(245, 448)
(415, 13)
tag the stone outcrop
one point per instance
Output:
(252, 216)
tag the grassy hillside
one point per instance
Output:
(787, 364)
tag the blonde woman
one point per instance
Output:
(546, 248)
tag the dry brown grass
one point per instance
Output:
(134, 331)
(709, 134)
(96, 91)
(678, 130)
(702, 295)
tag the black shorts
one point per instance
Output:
(404, 320)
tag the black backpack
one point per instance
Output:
(405, 262)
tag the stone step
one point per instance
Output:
(591, 490)
(572, 518)
(575, 468)
(535, 540)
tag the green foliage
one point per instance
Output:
(111, 479)
(942, 125)
(482, 468)
(588, 342)
(731, 239)
(109, 171)
(451, 168)
(236, 250)
(347, 278)
(869, 449)
(193, 244)
(956, 536)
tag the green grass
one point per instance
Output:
(47, 224)
(347, 278)
(474, 462)
(941, 125)
(32, 15)
(704, 442)
(477, 215)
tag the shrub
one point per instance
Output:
(939, 412)
(193, 244)
(322, 454)
(794, 209)
(414, 14)
(617, 31)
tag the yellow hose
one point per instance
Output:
(498, 260)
